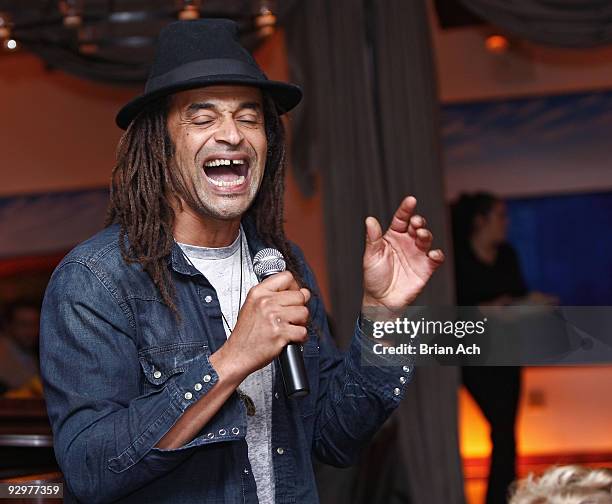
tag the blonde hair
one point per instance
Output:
(565, 485)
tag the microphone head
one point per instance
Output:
(267, 262)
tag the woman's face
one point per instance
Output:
(494, 225)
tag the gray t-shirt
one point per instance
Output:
(221, 266)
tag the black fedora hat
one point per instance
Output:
(203, 52)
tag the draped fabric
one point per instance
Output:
(566, 23)
(368, 125)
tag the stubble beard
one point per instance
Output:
(229, 208)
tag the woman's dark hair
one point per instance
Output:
(464, 212)
(143, 186)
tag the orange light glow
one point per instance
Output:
(189, 12)
(497, 44)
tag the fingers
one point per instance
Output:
(424, 238)
(436, 256)
(373, 230)
(416, 229)
(280, 282)
(292, 323)
(296, 334)
(296, 315)
(402, 215)
(293, 297)
(306, 293)
(405, 220)
(374, 236)
(416, 222)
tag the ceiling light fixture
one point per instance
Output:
(5, 26)
(497, 44)
(72, 11)
(115, 40)
(265, 21)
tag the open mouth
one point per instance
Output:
(223, 172)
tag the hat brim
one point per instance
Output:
(286, 96)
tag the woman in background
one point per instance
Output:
(488, 274)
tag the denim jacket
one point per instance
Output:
(119, 370)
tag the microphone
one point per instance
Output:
(268, 262)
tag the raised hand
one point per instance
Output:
(398, 263)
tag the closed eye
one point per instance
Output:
(248, 118)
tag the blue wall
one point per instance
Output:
(565, 245)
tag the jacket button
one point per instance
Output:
(157, 374)
(210, 435)
(197, 387)
(188, 396)
(406, 369)
(206, 378)
(396, 391)
(402, 380)
(208, 299)
(246, 471)
(235, 431)
(280, 450)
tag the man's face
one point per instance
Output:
(220, 147)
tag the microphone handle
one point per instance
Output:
(293, 371)
(292, 366)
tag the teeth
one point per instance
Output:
(228, 183)
(226, 162)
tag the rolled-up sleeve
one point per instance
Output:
(105, 431)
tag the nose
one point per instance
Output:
(228, 132)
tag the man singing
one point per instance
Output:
(158, 343)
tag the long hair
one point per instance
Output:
(464, 213)
(144, 185)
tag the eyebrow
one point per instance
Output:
(194, 107)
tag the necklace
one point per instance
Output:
(248, 402)
(239, 295)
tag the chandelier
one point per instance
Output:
(114, 40)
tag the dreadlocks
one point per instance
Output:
(143, 185)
